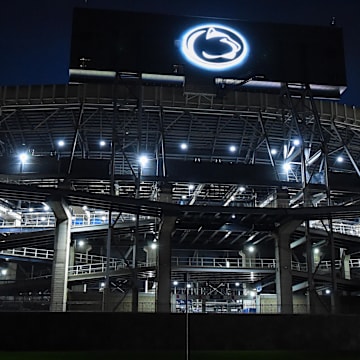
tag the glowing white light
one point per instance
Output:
(316, 251)
(327, 291)
(183, 146)
(237, 284)
(43, 218)
(81, 243)
(61, 142)
(46, 207)
(183, 197)
(143, 160)
(251, 248)
(102, 285)
(31, 209)
(191, 187)
(233, 216)
(227, 263)
(102, 143)
(103, 218)
(232, 148)
(3, 271)
(252, 293)
(287, 166)
(153, 246)
(23, 157)
(176, 283)
(242, 189)
(273, 151)
(84, 207)
(340, 159)
(296, 142)
(234, 45)
(188, 286)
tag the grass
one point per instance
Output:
(200, 355)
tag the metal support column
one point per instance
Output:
(135, 287)
(106, 291)
(60, 267)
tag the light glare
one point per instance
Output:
(143, 160)
(23, 158)
(287, 166)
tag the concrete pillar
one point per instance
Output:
(346, 267)
(283, 267)
(59, 279)
(164, 256)
(164, 264)
(283, 274)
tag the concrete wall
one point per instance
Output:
(152, 332)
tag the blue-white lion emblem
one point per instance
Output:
(214, 47)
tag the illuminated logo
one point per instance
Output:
(214, 47)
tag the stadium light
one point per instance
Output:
(23, 157)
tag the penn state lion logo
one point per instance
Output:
(214, 47)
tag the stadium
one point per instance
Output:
(157, 193)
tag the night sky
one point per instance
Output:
(36, 35)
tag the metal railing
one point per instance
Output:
(223, 262)
(90, 264)
(337, 226)
(47, 219)
(48, 254)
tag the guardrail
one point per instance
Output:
(47, 219)
(84, 269)
(88, 264)
(223, 262)
(48, 254)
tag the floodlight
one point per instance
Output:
(23, 157)
(143, 160)
(287, 166)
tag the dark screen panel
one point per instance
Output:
(152, 43)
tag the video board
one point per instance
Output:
(205, 48)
